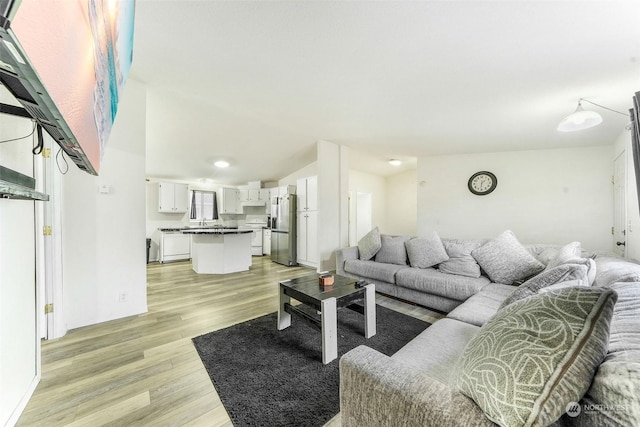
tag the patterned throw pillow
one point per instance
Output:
(370, 244)
(425, 252)
(537, 355)
(505, 260)
(561, 273)
(392, 250)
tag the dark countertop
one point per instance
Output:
(206, 227)
(215, 231)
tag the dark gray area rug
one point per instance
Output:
(267, 377)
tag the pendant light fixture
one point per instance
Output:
(583, 119)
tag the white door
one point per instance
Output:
(312, 238)
(619, 204)
(312, 193)
(302, 237)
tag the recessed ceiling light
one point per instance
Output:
(221, 164)
(395, 162)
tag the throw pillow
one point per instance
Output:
(370, 244)
(565, 253)
(537, 355)
(425, 252)
(505, 260)
(392, 250)
(460, 261)
(561, 273)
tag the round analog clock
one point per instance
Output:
(482, 183)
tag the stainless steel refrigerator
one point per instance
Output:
(284, 240)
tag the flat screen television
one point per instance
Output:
(66, 62)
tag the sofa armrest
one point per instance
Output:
(344, 254)
(376, 390)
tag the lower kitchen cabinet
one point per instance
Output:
(174, 246)
(266, 242)
(308, 238)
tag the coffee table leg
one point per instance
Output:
(370, 310)
(329, 330)
(284, 318)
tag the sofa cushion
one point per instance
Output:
(612, 398)
(613, 269)
(435, 282)
(561, 273)
(460, 261)
(392, 250)
(373, 270)
(481, 307)
(449, 337)
(505, 260)
(425, 252)
(370, 244)
(537, 355)
(564, 254)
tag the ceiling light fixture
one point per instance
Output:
(583, 119)
(221, 164)
(395, 162)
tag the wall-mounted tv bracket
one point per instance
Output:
(14, 185)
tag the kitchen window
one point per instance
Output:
(203, 205)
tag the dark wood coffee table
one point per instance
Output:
(327, 300)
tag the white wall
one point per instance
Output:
(402, 203)
(623, 143)
(309, 170)
(19, 349)
(377, 186)
(544, 196)
(104, 247)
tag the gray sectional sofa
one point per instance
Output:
(559, 348)
(442, 286)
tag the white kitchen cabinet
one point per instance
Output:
(174, 246)
(173, 198)
(265, 196)
(307, 189)
(308, 238)
(231, 201)
(243, 195)
(284, 190)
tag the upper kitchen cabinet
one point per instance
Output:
(173, 198)
(308, 194)
(231, 201)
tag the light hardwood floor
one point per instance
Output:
(144, 370)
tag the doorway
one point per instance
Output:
(620, 205)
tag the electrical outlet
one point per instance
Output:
(123, 296)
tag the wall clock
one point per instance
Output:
(482, 183)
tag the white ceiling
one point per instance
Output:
(258, 83)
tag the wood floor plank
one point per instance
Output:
(144, 370)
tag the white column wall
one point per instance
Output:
(104, 242)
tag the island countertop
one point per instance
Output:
(214, 231)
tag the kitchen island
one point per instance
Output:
(219, 250)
